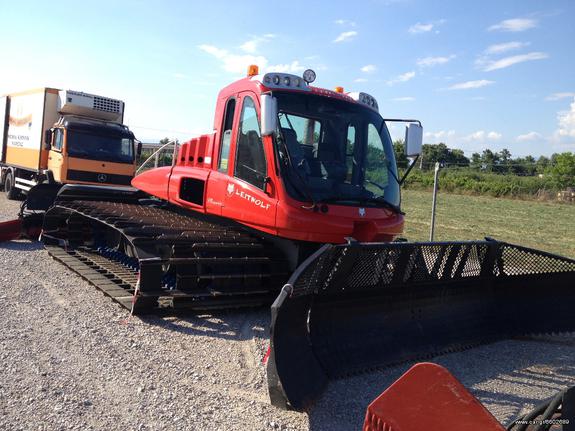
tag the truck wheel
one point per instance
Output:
(11, 191)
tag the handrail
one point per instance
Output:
(155, 153)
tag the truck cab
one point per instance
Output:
(86, 150)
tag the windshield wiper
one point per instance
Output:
(363, 200)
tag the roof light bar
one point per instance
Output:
(366, 99)
(285, 81)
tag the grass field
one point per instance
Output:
(547, 226)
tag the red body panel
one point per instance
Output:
(154, 182)
(428, 397)
(272, 211)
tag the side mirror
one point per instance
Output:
(48, 139)
(138, 149)
(413, 140)
(269, 113)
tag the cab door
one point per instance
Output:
(56, 156)
(221, 166)
(245, 198)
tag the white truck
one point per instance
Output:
(56, 137)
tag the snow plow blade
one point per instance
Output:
(355, 307)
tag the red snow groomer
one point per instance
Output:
(296, 196)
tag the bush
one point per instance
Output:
(469, 181)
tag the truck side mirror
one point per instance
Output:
(269, 114)
(48, 139)
(413, 140)
(138, 149)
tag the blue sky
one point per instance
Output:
(489, 74)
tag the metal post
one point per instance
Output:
(435, 185)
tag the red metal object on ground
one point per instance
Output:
(428, 397)
(10, 230)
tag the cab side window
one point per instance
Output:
(250, 163)
(226, 136)
(58, 139)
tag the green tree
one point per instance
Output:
(489, 160)
(542, 164)
(562, 169)
(476, 162)
(400, 157)
(504, 161)
(441, 153)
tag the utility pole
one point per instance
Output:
(438, 166)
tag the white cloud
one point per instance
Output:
(293, 67)
(404, 77)
(404, 99)
(502, 63)
(504, 47)
(514, 25)
(434, 61)
(345, 22)
(425, 27)
(370, 68)
(482, 136)
(215, 51)
(471, 84)
(178, 75)
(440, 136)
(251, 46)
(420, 28)
(360, 80)
(234, 63)
(567, 121)
(529, 137)
(346, 35)
(559, 96)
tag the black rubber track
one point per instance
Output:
(148, 257)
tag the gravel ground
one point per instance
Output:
(72, 359)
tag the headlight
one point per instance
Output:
(309, 76)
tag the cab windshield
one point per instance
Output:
(110, 148)
(335, 151)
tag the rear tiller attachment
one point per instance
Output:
(351, 308)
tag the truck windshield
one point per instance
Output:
(110, 148)
(335, 151)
